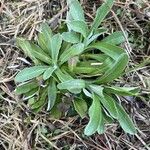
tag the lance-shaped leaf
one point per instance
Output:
(44, 37)
(95, 36)
(30, 73)
(95, 115)
(125, 121)
(79, 26)
(85, 70)
(71, 37)
(55, 45)
(31, 93)
(71, 52)
(46, 30)
(72, 84)
(52, 94)
(115, 71)
(108, 49)
(26, 47)
(62, 76)
(106, 100)
(80, 106)
(101, 128)
(38, 53)
(38, 104)
(75, 10)
(101, 14)
(115, 38)
(47, 74)
(26, 87)
(124, 91)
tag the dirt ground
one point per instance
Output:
(20, 129)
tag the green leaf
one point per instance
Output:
(38, 53)
(71, 37)
(44, 37)
(62, 76)
(84, 70)
(30, 73)
(37, 105)
(26, 47)
(52, 94)
(101, 128)
(46, 30)
(47, 74)
(26, 87)
(115, 71)
(115, 38)
(42, 42)
(95, 36)
(72, 84)
(75, 10)
(33, 51)
(106, 100)
(101, 14)
(110, 105)
(95, 115)
(108, 49)
(87, 93)
(125, 121)
(71, 52)
(31, 93)
(79, 26)
(96, 89)
(55, 45)
(123, 91)
(80, 106)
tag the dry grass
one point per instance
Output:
(21, 129)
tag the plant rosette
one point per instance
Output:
(76, 62)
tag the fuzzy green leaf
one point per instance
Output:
(115, 71)
(55, 45)
(26, 87)
(46, 30)
(101, 13)
(71, 52)
(75, 10)
(79, 26)
(38, 104)
(95, 36)
(26, 47)
(62, 76)
(38, 53)
(115, 38)
(44, 37)
(71, 37)
(80, 106)
(95, 115)
(30, 73)
(52, 94)
(47, 74)
(106, 100)
(72, 84)
(125, 121)
(123, 91)
(108, 49)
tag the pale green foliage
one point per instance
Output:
(75, 62)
